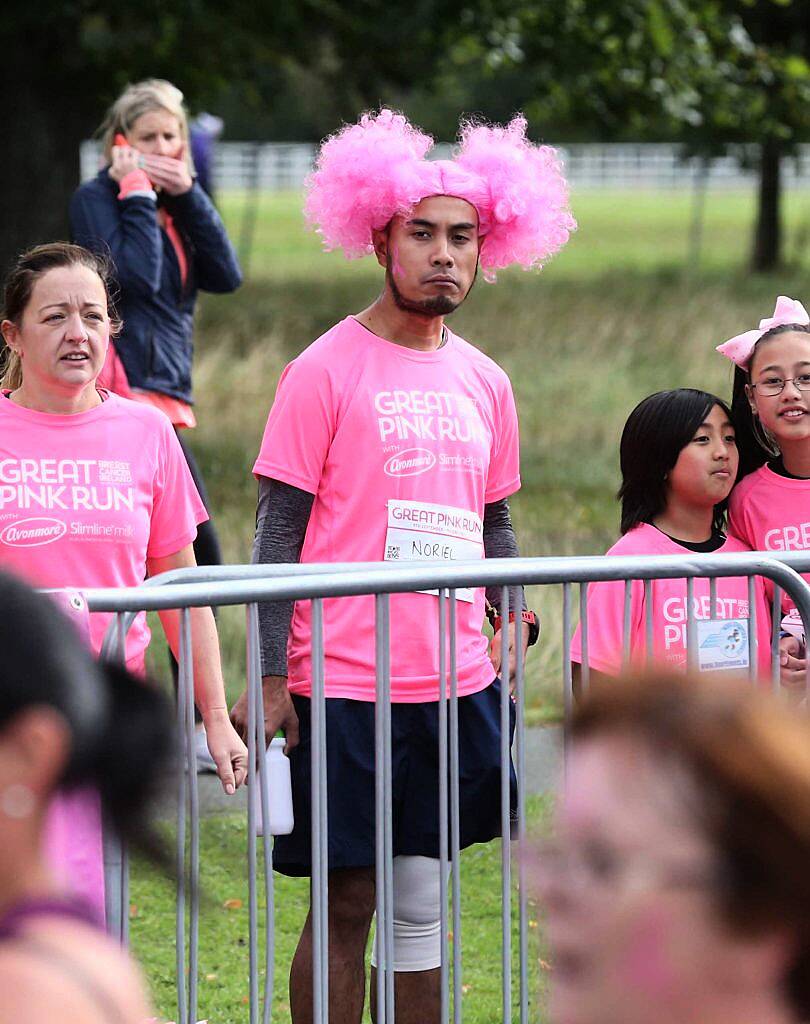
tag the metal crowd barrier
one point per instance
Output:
(250, 585)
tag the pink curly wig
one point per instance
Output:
(371, 171)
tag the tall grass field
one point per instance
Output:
(628, 308)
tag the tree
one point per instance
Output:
(751, 85)
(709, 74)
(706, 72)
(778, 102)
(64, 63)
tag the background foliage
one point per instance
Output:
(703, 72)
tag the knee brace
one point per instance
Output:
(417, 915)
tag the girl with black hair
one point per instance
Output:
(770, 507)
(67, 723)
(678, 460)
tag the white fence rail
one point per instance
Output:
(276, 166)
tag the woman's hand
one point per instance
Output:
(495, 652)
(125, 159)
(168, 173)
(228, 751)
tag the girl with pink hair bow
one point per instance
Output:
(769, 508)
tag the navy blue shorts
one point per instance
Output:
(415, 779)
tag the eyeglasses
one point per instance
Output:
(773, 386)
(596, 866)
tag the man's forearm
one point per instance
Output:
(281, 525)
(500, 542)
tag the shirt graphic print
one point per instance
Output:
(85, 499)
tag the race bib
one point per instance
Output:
(722, 644)
(419, 531)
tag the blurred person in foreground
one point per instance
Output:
(65, 722)
(677, 889)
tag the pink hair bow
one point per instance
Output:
(739, 348)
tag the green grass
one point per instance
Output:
(646, 231)
(224, 954)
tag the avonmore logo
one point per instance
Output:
(30, 533)
(411, 462)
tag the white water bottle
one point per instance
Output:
(279, 791)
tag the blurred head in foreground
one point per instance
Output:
(67, 721)
(678, 887)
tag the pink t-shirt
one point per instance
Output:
(85, 499)
(769, 512)
(720, 646)
(402, 449)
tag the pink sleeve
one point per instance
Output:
(300, 427)
(177, 509)
(606, 625)
(504, 465)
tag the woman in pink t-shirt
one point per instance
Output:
(678, 460)
(94, 489)
(770, 506)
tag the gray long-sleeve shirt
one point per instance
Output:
(282, 517)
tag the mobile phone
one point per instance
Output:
(120, 140)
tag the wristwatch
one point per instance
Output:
(525, 616)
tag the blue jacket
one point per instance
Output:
(156, 344)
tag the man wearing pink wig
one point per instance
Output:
(391, 438)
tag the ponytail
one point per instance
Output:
(12, 376)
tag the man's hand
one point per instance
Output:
(495, 652)
(792, 667)
(279, 712)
